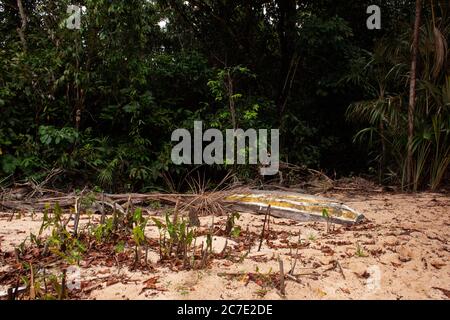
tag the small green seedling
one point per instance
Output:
(231, 229)
(360, 252)
(138, 234)
(311, 237)
(327, 216)
(175, 239)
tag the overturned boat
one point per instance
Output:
(295, 206)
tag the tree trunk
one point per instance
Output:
(23, 27)
(287, 33)
(412, 96)
(230, 89)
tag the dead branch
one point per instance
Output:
(282, 285)
(263, 228)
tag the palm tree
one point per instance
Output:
(412, 94)
(412, 128)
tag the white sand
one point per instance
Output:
(405, 255)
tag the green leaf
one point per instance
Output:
(9, 163)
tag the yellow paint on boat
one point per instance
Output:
(296, 203)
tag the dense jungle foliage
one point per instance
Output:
(98, 105)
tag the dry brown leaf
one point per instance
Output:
(437, 265)
(150, 284)
(444, 291)
(345, 290)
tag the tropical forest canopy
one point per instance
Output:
(98, 104)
